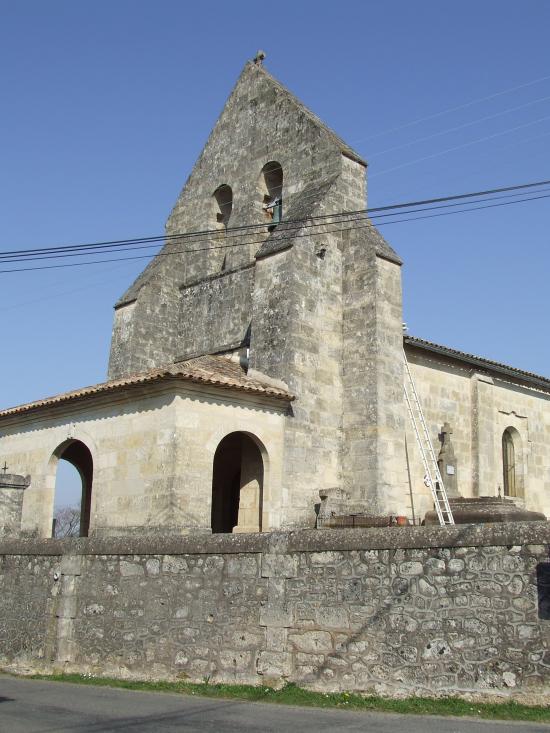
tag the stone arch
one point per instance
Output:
(223, 205)
(271, 184)
(512, 463)
(78, 454)
(238, 483)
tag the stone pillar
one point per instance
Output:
(250, 496)
(66, 612)
(374, 460)
(12, 487)
(277, 616)
(483, 436)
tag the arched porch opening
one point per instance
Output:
(237, 485)
(72, 509)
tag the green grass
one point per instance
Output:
(290, 694)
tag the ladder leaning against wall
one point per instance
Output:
(432, 475)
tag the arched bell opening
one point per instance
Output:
(271, 184)
(223, 206)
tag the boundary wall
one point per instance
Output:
(393, 610)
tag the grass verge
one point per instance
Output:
(291, 694)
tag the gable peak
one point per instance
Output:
(255, 66)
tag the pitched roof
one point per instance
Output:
(479, 361)
(216, 371)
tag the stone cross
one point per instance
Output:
(5, 468)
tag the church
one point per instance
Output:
(256, 374)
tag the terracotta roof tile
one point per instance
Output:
(217, 371)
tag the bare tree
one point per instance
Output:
(67, 521)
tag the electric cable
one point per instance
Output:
(461, 147)
(458, 107)
(354, 217)
(285, 223)
(294, 236)
(458, 127)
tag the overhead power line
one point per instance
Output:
(356, 224)
(458, 127)
(461, 146)
(456, 108)
(343, 218)
(255, 229)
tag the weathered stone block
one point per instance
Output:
(237, 660)
(412, 567)
(276, 638)
(277, 615)
(71, 564)
(152, 566)
(279, 566)
(274, 664)
(332, 617)
(242, 566)
(130, 569)
(311, 641)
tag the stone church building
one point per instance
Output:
(256, 375)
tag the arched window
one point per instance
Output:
(73, 490)
(223, 201)
(237, 485)
(272, 185)
(511, 463)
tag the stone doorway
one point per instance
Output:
(237, 485)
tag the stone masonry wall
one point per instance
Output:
(479, 407)
(260, 123)
(152, 450)
(216, 313)
(406, 610)
(11, 502)
(29, 594)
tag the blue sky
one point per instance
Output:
(106, 106)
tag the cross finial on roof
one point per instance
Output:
(259, 57)
(5, 468)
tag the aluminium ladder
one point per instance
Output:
(432, 477)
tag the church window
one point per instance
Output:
(223, 197)
(511, 457)
(272, 184)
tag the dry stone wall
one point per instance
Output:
(405, 610)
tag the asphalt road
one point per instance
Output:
(33, 706)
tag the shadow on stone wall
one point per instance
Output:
(543, 590)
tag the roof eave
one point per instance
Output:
(478, 361)
(124, 386)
